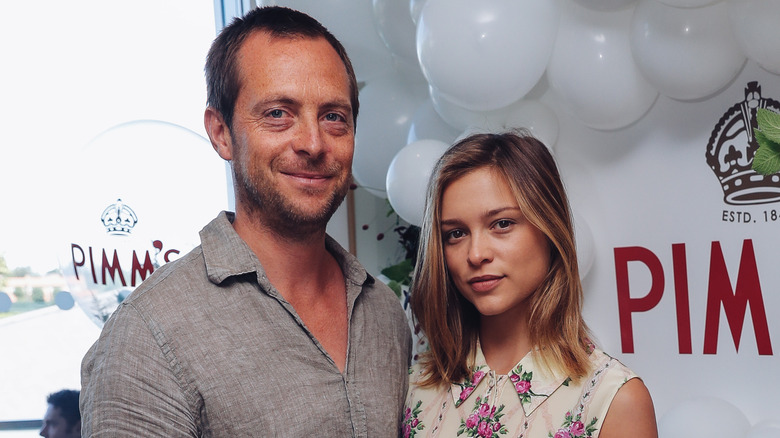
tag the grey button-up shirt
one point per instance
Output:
(206, 346)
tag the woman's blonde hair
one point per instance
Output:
(449, 321)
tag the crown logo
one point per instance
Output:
(731, 149)
(119, 219)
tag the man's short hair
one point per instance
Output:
(67, 401)
(222, 76)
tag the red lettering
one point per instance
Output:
(681, 299)
(735, 302)
(112, 268)
(142, 271)
(76, 264)
(628, 305)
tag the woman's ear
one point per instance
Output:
(218, 132)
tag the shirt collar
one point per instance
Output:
(227, 255)
(532, 383)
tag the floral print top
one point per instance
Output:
(528, 402)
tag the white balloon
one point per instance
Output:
(408, 175)
(387, 106)
(485, 55)
(459, 117)
(415, 9)
(535, 116)
(686, 54)
(765, 429)
(688, 3)
(358, 34)
(755, 25)
(586, 251)
(593, 72)
(395, 27)
(703, 417)
(427, 124)
(606, 5)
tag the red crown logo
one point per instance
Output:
(118, 218)
(731, 149)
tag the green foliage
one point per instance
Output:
(399, 274)
(767, 158)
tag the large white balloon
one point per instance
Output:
(686, 54)
(395, 26)
(703, 417)
(387, 105)
(586, 248)
(459, 117)
(592, 70)
(408, 175)
(756, 28)
(487, 54)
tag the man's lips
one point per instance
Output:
(484, 283)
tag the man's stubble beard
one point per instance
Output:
(274, 211)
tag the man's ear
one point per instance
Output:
(218, 133)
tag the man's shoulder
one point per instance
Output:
(171, 277)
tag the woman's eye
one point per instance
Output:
(453, 235)
(503, 223)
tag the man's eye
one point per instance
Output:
(277, 113)
(333, 117)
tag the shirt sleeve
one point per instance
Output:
(129, 386)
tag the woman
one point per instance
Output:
(496, 291)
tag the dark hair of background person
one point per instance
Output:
(67, 401)
(222, 77)
(449, 321)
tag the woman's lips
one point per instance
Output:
(484, 283)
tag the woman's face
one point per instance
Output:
(495, 257)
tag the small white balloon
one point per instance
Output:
(755, 24)
(694, 418)
(593, 72)
(686, 54)
(408, 175)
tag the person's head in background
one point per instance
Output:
(542, 285)
(62, 419)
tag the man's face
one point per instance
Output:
(54, 426)
(293, 133)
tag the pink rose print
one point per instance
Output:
(484, 411)
(477, 377)
(411, 424)
(562, 434)
(472, 421)
(484, 429)
(466, 392)
(577, 428)
(523, 386)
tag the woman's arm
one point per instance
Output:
(631, 413)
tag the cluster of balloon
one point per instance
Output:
(144, 190)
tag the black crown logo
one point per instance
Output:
(731, 149)
(118, 218)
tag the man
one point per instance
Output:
(62, 418)
(268, 328)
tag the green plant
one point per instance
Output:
(400, 274)
(767, 158)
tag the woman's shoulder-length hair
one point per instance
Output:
(449, 321)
